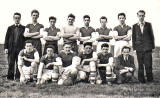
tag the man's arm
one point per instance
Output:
(6, 43)
(152, 36)
(128, 37)
(40, 35)
(133, 37)
(28, 34)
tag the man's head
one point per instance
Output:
(88, 47)
(104, 48)
(86, 19)
(17, 17)
(29, 45)
(52, 20)
(122, 18)
(35, 15)
(126, 50)
(50, 50)
(141, 15)
(67, 47)
(103, 21)
(71, 19)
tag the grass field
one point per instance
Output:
(12, 89)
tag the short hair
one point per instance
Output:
(103, 17)
(104, 45)
(121, 14)
(71, 15)
(87, 44)
(126, 47)
(141, 11)
(52, 17)
(34, 11)
(16, 13)
(28, 41)
(50, 46)
(86, 16)
(67, 43)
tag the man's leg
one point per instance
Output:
(11, 67)
(93, 73)
(140, 58)
(55, 74)
(148, 65)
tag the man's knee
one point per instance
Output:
(33, 64)
(55, 76)
(82, 75)
(129, 74)
(108, 70)
(74, 71)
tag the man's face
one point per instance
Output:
(125, 51)
(70, 20)
(103, 22)
(49, 51)
(67, 48)
(29, 47)
(86, 21)
(17, 19)
(121, 19)
(141, 16)
(35, 16)
(88, 49)
(52, 22)
(105, 49)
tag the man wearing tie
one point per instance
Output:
(143, 43)
(14, 42)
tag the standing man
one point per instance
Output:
(52, 37)
(143, 43)
(70, 33)
(104, 34)
(14, 42)
(123, 34)
(34, 31)
(86, 31)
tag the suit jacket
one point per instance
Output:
(121, 63)
(143, 41)
(9, 39)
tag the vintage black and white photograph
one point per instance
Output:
(80, 49)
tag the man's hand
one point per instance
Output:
(23, 79)
(6, 51)
(49, 64)
(24, 58)
(123, 71)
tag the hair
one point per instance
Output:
(50, 46)
(52, 17)
(126, 47)
(86, 16)
(67, 43)
(71, 15)
(16, 13)
(28, 41)
(87, 44)
(103, 17)
(141, 11)
(34, 11)
(121, 14)
(104, 45)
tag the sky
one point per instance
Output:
(94, 8)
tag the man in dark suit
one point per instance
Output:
(143, 43)
(14, 42)
(124, 67)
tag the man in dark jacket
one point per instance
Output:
(14, 42)
(143, 43)
(125, 66)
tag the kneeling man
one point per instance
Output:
(28, 59)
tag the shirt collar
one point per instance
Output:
(17, 25)
(139, 23)
(122, 25)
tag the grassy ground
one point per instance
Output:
(14, 89)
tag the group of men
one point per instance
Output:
(73, 54)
